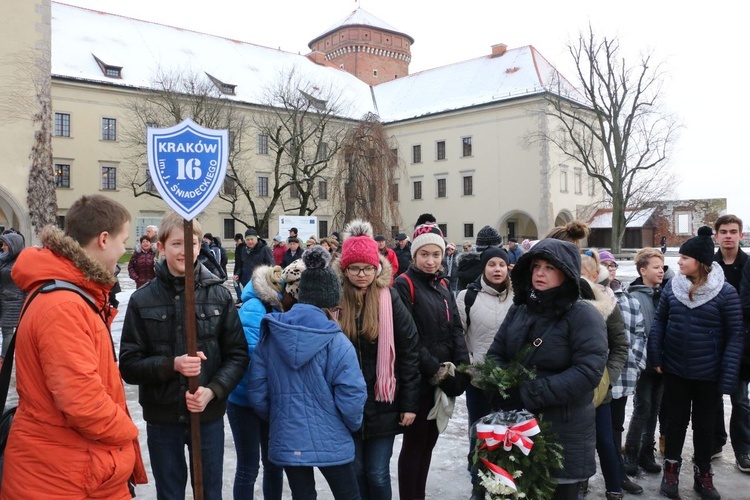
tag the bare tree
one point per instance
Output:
(364, 188)
(173, 97)
(618, 129)
(301, 133)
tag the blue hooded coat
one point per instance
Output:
(306, 381)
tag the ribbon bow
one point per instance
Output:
(501, 474)
(496, 434)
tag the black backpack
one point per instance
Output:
(469, 298)
(7, 418)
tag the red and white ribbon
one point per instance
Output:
(496, 434)
(501, 474)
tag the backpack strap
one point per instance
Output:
(411, 286)
(469, 298)
(47, 287)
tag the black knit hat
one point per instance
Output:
(319, 285)
(700, 247)
(488, 237)
(251, 232)
(494, 252)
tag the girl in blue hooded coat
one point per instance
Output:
(306, 381)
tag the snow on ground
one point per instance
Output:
(448, 477)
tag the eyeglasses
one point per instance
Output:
(612, 265)
(365, 271)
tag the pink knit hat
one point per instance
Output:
(359, 245)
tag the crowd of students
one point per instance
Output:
(337, 349)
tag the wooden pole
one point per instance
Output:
(192, 348)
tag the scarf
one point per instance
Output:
(707, 291)
(385, 383)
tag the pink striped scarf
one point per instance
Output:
(385, 383)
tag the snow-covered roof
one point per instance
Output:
(360, 17)
(144, 49)
(483, 80)
(638, 218)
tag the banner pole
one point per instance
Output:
(192, 348)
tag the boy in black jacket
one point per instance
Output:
(153, 355)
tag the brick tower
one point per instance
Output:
(368, 48)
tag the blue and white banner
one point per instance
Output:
(187, 164)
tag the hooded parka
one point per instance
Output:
(72, 436)
(569, 361)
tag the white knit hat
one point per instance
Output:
(427, 234)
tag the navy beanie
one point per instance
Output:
(492, 252)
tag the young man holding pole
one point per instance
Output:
(153, 355)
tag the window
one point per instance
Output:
(373, 193)
(224, 88)
(444, 229)
(441, 188)
(322, 152)
(441, 150)
(262, 185)
(394, 156)
(262, 144)
(60, 221)
(375, 73)
(394, 191)
(417, 190)
(682, 222)
(563, 180)
(592, 186)
(578, 181)
(148, 186)
(141, 223)
(416, 153)
(109, 70)
(466, 145)
(468, 185)
(394, 231)
(322, 228)
(62, 175)
(323, 189)
(230, 187)
(62, 124)
(232, 138)
(228, 229)
(468, 230)
(109, 178)
(109, 129)
(294, 191)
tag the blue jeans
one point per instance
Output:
(372, 459)
(477, 406)
(646, 403)
(250, 435)
(340, 479)
(605, 448)
(166, 447)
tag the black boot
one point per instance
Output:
(703, 483)
(647, 460)
(613, 496)
(628, 486)
(670, 481)
(630, 457)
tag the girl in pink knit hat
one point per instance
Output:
(384, 335)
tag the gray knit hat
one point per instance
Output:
(488, 237)
(319, 285)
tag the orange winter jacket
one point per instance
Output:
(72, 436)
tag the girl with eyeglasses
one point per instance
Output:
(385, 338)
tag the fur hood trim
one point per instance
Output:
(63, 245)
(357, 227)
(263, 288)
(604, 299)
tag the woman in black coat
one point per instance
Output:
(569, 359)
(385, 338)
(11, 297)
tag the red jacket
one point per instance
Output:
(278, 253)
(393, 261)
(141, 267)
(72, 436)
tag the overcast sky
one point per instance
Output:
(699, 46)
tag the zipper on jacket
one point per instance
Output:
(447, 310)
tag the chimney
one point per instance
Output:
(498, 50)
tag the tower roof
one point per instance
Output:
(360, 17)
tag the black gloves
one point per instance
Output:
(512, 402)
(454, 386)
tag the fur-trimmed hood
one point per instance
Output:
(604, 299)
(61, 258)
(263, 289)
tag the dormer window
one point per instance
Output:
(224, 88)
(109, 70)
